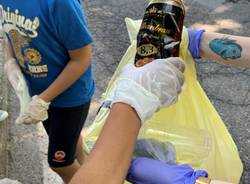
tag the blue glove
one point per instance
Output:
(194, 42)
(149, 171)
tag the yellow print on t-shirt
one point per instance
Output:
(21, 31)
(18, 41)
(32, 56)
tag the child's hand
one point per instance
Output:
(150, 87)
(3, 115)
(35, 112)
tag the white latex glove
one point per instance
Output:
(149, 88)
(9, 181)
(17, 81)
(36, 111)
(3, 115)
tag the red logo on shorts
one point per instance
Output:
(59, 156)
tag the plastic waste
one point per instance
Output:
(193, 111)
(192, 146)
(155, 149)
(9, 181)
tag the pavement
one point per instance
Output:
(227, 87)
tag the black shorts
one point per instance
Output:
(63, 127)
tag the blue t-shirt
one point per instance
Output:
(41, 33)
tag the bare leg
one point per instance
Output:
(80, 151)
(66, 173)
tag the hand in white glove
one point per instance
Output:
(9, 181)
(3, 115)
(36, 111)
(151, 87)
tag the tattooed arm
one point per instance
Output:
(226, 49)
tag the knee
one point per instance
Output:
(62, 170)
(66, 172)
(56, 169)
(60, 167)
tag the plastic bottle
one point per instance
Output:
(160, 32)
(192, 145)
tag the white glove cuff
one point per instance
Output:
(144, 102)
(41, 102)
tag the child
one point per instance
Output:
(51, 43)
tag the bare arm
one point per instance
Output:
(78, 64)
(110, 158)
(226, 49)
(134, 102)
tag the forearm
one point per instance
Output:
(70, 74)
(226, 49)
(110, 158)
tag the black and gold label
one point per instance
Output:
(146, 50)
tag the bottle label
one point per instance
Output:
(160, 32)
(147, 49)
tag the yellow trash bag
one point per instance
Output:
(192, 125)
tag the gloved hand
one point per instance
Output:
(194, 42)
(17, 81)
(9, 181)
(3, 115)
(149, 171)
(150, 87)
(35, 112)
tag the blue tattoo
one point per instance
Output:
(226, 48)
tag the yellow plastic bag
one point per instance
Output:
(192, 125)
